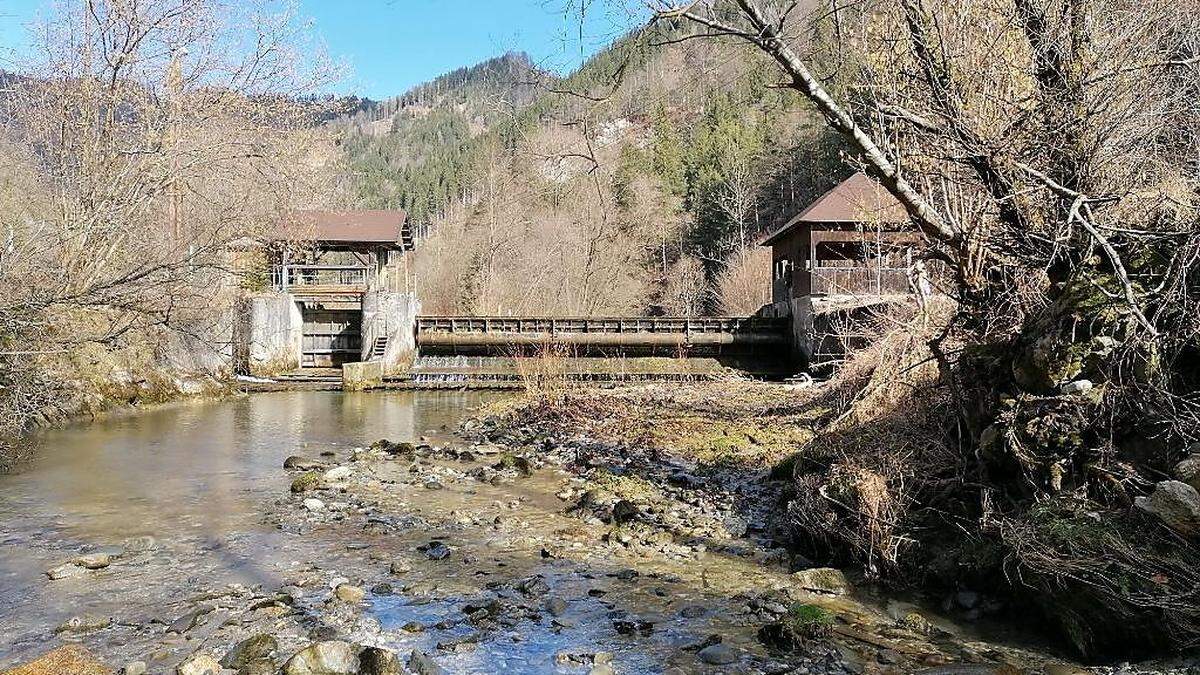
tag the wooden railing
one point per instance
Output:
(552, 326)
(859, 281)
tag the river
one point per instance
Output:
(191, 475)
(209, 546)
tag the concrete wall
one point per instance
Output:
(799, 312)
(276, 332)
(393, 315)
(362, 376)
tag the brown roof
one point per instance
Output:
(349, 227)
(858, 199)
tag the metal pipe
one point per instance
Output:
(664, 343)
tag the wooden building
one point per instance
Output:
(342, 252)
(328, 263)
(854, 240)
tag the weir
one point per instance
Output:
(499, 351)
(341, 296)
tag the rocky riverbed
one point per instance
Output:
(504, 550)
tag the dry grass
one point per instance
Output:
(709, 421)
(885, 443)
(546, 373)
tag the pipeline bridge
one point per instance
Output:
(501, 351)
(599, 336)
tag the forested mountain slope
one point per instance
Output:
(637, 184)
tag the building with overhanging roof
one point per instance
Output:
(360, 229)
(853, 240)
(341, 290)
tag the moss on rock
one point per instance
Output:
(306, 482)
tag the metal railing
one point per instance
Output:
(286, 277)
(547, 325)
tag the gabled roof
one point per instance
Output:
(858, 199)
(383, 228)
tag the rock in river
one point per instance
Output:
(72, 659)
(252, 656)
(1176, 504)
(435, 550)
(94, 561)
(556, 606)
(314, 504)
(323, 658)
(378, 661)
(338, 473)
(64, 571)
(198, 664)
(1188, 471)
(189, 620)
(348, 593)
(624, 511)
(421, 664)
(822, 580)
(718, 655)
(307, 481)
(84, 624)
(301, 463)
(693, 611)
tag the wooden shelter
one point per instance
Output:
(855, 239)
(341, 253)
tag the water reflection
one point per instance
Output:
(194, 476)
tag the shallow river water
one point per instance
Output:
(191, 475)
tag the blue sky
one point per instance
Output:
(391, 45)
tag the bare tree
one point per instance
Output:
(744, 284)
(738, 197)
(155, 134)
(1045, 149)
(686, 289)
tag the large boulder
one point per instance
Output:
(198, 664)
(822, 580)
(323, 658)
(307, 481)
(299, 463)
(350, 593)
(420, 663)
(719, 655)
(66, 659)
(378, 661)
(1176, 504)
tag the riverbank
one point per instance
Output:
(87, 401)
(760, 450)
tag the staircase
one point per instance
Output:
(379, 348)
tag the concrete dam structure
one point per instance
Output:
(341, 306)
